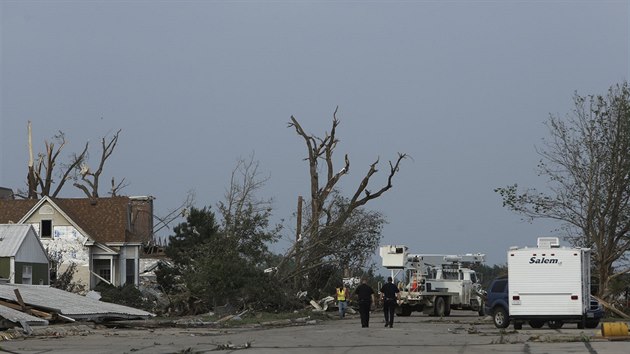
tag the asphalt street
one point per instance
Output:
(462, 332)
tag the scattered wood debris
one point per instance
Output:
(38, 305)
(230, 346)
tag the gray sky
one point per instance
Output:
(462, 86)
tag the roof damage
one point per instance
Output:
(39, 305)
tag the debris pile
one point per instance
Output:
(39, 305)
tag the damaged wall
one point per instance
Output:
(65, 247)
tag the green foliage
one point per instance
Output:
(199, 229)
(127, 295)
(343, 241)
(213, 268)
(250, 230)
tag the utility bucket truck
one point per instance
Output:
(434, 283)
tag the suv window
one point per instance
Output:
(499, 286)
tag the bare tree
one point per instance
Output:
(329, 215)
(587, 162)
(245, 216)
(181, 211)
(40, 178)
(90, 179)
(245, 181)
(117, 186)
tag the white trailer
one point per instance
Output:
(434, 283)
(548, 283)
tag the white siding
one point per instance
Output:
(67, 245)
(546, 288)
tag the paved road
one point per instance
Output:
(462, 332)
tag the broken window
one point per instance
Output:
(102, 268)
(45, 229)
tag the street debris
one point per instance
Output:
(230, 346)
(322, 305)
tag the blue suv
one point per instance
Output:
(497, 306)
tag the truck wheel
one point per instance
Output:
(439, 307)
(500, 318)
(518, 325)
(591, 323)
(555, 324)
(536, 323)
(405, 311)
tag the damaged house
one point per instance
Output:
(103, 237)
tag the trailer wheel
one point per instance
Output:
(536, 323)
(500, 318)
(555, 324)
(439, 307)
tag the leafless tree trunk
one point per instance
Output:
(117, 186)
(325, 225)
(30, 178)
(91, 179)
(40, 178)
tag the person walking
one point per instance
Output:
(389, 295)
(342, 300)
(365, 293)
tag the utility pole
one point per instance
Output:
(298, 240)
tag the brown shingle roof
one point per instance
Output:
(11, 211)
(105, 220)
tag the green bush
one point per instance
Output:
(127, 295)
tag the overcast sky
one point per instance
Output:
(463, 87)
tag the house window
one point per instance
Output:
(27, 274)
(105, 273)
(130, 271)
(102, 268)
(46, 229)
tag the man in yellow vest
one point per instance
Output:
(342, 300)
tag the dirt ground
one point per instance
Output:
(462, 332)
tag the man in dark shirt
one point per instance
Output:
(389, 295)
(366, 297)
